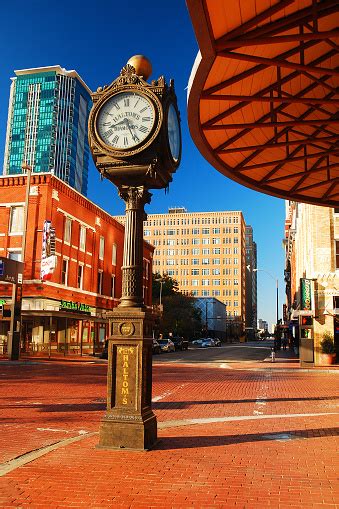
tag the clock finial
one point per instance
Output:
(142, 65)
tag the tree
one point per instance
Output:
(179, 315)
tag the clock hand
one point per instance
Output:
(134, 136)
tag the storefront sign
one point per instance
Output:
(48, 258)
(306, 300)
(77, 307)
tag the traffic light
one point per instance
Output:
(307, 321)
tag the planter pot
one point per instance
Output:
(327, 358)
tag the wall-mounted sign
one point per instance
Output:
(306, 301)
(75, 307)
(11, 271)
(48, 258)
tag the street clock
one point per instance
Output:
(134, 130)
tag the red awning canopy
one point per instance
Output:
(263, 98)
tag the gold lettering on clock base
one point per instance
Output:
(125, 393)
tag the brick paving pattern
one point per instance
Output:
(261, 438)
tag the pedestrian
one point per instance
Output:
(284, 342)
(272, 354)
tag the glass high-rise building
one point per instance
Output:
(47, 124)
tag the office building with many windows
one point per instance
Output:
(204, 252)
(47, 125)
(251, 284)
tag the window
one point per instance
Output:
(235, 272)
(170, 242)
(215, 282)
(82, 238)
(205, 293)
(101, 248)
(80, 276)
(16, 224)
(205, 241)
(195, 272)
(64, 272)
(205, 282)
(15, 254)
(99, 286)
(337, 254)
(216, 250)
(205, 251)
(195, 231)
(170, 261)
(205, 231)
(215, 272)
(235, 282)
(195, 293)
(195, 261)
(171, 252)
(147, 233)
(216, 231)
(68, 230)
(205, 272)
(215, 293)
(205, 261)
(235, 303)
(195, 282)
(195, 251)
(216, 261)
(216, 240)
(114, 254)
(170, 232)
(195, 241)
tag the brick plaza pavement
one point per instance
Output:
(259, 435)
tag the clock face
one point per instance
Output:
(173, 132)
(125, 120)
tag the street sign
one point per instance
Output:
(11, 271)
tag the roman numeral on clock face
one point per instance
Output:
(143, 129)
(109, 133)
(143, 109)
(146, 119)
(126, 102)
(125, 141)
(115, 139)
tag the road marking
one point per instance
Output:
(10, 465)
(210, 420)
(167, 393)
(80, 432)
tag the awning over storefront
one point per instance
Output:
(263, 99)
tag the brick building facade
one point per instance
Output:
(312, 252)
(66, 312)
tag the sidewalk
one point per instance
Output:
(244, 436)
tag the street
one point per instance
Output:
(235, 352)
(241, 433)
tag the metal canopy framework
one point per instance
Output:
(263, 97)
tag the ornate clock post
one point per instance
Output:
(135, 139)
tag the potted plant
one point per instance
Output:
(327, 349)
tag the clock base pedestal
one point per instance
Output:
(129, 423)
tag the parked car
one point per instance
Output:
(180, 343)
(217, 342)
(207, 342)
(166, 345)
(156, 347)
(197, 342)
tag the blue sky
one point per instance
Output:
(96, 39)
